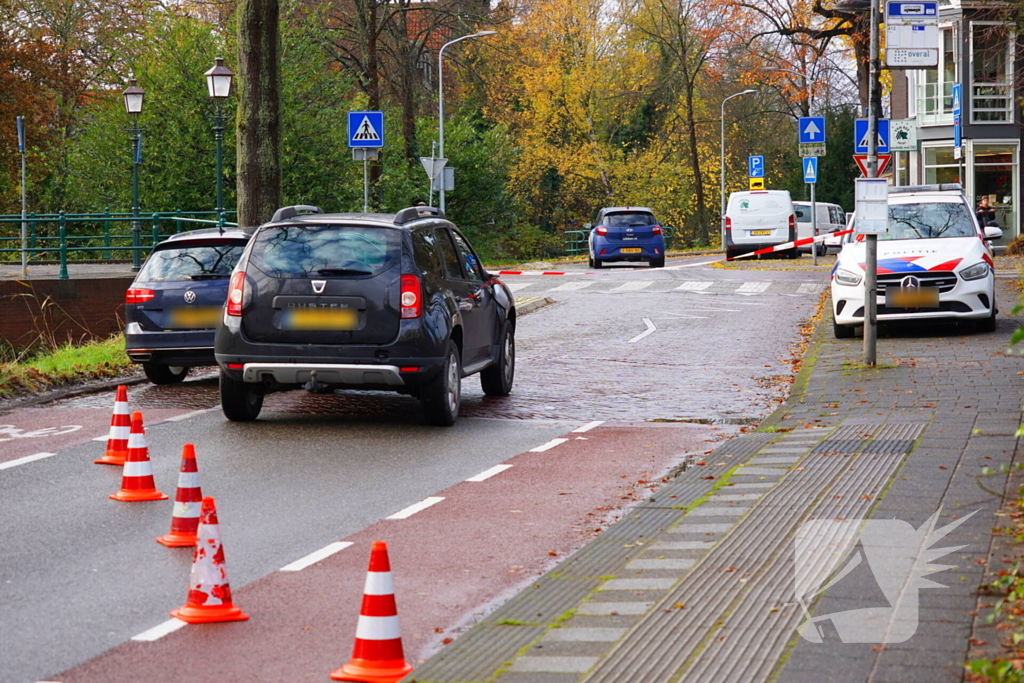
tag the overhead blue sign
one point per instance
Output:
(860, 136)
(366, 129)
(810, 169)
(812, 129)
(755, 166)
(957, 99)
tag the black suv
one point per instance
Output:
(363, 301)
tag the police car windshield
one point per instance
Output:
(929, 220)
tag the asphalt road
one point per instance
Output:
(671, 359)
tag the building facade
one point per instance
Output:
(978, 50)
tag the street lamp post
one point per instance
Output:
(218, 83)
(440, 104)
(722, 184)
(133, 96)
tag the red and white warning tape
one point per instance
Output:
(790, 245)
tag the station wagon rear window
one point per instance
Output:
(630, 219)
(325, 250)
(191, 262)
(927, 220)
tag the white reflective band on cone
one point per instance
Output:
(138, 469)
(379, 583)
(187, 509)
(120, 433)
(120, 407)
(188, 480)
(378, 628)
(136, 441)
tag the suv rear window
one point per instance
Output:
(631, 219)
(191, 262)
(325, 250)
(929, 220)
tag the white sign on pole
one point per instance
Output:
(911, 34)
(872, 206)
(903, 135)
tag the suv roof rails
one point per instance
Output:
(942, 187)
(286, 212)
(414, 213)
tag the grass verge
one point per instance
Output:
(64, 365)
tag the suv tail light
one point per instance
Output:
(656, 230)
(236, 294)
(728, 223)
(601, 230)
(136, 295)
(412, 297)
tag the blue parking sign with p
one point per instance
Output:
(365, 129)
(755, 165)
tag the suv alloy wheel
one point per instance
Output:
(497, 379)
(442, 395)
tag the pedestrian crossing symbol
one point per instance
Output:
(365, 129)
(811, 170)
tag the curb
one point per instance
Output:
(533, 304)
(71, 392)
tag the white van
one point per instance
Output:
(831, 218)
(759, 219)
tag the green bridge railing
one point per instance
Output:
(577, 241)
(110, 244)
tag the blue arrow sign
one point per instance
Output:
(366, 129)
(810, 169)
(860, 136)
(957, 99)
(812, 129)
(755, 166)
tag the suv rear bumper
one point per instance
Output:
(326, 373)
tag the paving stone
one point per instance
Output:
(707, 510)
(534, 664)
(686, 527)
(667, 563)
(604, 608)
(683, 545)
(584, 635)
(636, 584)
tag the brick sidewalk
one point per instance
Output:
(697, 583)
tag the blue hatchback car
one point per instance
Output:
(173, 305)
(626, 233)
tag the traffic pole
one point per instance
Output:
(814, 225)
(871, 240)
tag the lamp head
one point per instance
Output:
(481, 34)
(218, 79)
(133, 95)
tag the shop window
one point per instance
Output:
(992, 73)
(995, 172)
(940, 166)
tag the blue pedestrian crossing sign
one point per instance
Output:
(755, 165)
(812, 129)
(811, 169)
(365, 129)
(957, 99)
(860, 136)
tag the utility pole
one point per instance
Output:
(871, 240)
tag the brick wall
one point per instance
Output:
(61, 309)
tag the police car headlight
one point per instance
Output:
(845, 277)
(975, 272)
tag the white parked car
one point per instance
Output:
(831, 218)
(759, 219)
(934, 263)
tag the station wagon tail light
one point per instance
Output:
(728, 223)
(136, 295)
(656, 229)
(412, 297)
(601, 230)
(236, 294)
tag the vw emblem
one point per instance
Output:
(190, 296)
(318, 286)
(910, 282)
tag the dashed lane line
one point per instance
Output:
(694, 286)
(810, 288)
(516, 286)
(416, 507)
(159, 631)
(632, 286)
(185, 416)
(314, 557)
(587, 427)
(487, 474)
(24, 460)
(572, 286)
(548, 446)
(651, 329)
(753, 287)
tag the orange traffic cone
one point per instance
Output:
(187, 502)
(117, 442)
(377, 656)
(137, 481)
(209, 594)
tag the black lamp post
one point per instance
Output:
(218, 83)
(133, 96)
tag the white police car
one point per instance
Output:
(934, 263)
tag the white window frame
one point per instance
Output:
(945, 116)
(1006, 85)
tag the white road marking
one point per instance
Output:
(810, 288)
(572, 286)
(693, 286)
(587, 427)
(651, 328)
(753, 287)
(105, 437)
(487, 474)
(185, 416)
(548, 446)
(693, 265)
(26, 459)
(416, 507)
(314, 557)
(633, 285)
(159, 631)
(516, 286)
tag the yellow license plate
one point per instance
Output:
(193, 316)
(631, 250)
(923, 297)
(760, 232)
(320, 319)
